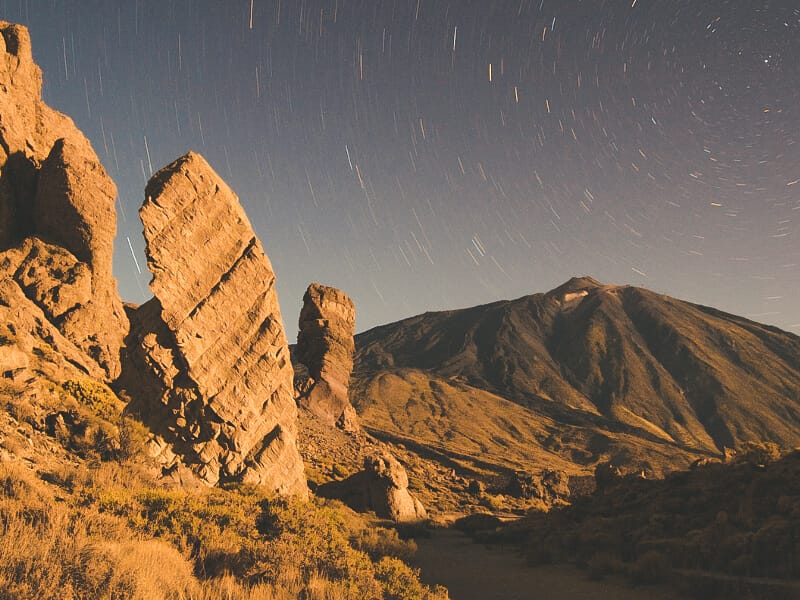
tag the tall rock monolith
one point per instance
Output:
(325, 348)
(209, 362)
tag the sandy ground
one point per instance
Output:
(477, 572)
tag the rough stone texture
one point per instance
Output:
(32, 350)
(548, 486)
(49, 276)
(28, 130)
(381, 487)
(325, 348)
(209, 363)
(53, 187)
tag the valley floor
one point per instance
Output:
(477, 572)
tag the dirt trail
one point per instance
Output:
(477, 572)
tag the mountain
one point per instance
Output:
(583, 374)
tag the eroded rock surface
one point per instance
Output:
(57, 218)
(325, 348)
(381, 487)
(209, 362)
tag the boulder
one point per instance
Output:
(549, 485)
(382, 487)
(208, 363)
(57, 213)
(325, 347)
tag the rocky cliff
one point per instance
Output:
(325, 348)
(209, 361)
(57, 218)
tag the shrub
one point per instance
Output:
(133, 437)
(95, 396)
(401, 582)
(600, 565)
(758, 453)
(494, 503)
(135, 569)
(652, 567)
(538, 554)
(113, 534)
(379, 542)
(20, 408)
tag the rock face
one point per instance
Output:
(32, 349)
(325, 348)
(57, 219)
(381, 487)
(209, 361)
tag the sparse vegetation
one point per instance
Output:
(725, 521)
(379, 542)
(108, 533)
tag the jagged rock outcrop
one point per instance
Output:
(208, 360)
(32, 349)
(381, 487)
(57, 218)
(325, 348)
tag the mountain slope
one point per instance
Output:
(584, 373)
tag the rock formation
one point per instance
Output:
(32, 350)
(325, 348)
(548, 486)
(209, 361)
(57, 219)
(381, 487)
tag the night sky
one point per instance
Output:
(433, 154)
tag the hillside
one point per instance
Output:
(579, 375)
(718, 531)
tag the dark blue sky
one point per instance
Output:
(431, 154)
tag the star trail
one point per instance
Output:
(434, 154)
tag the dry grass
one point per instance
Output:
(82, 516)
(106, 532)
